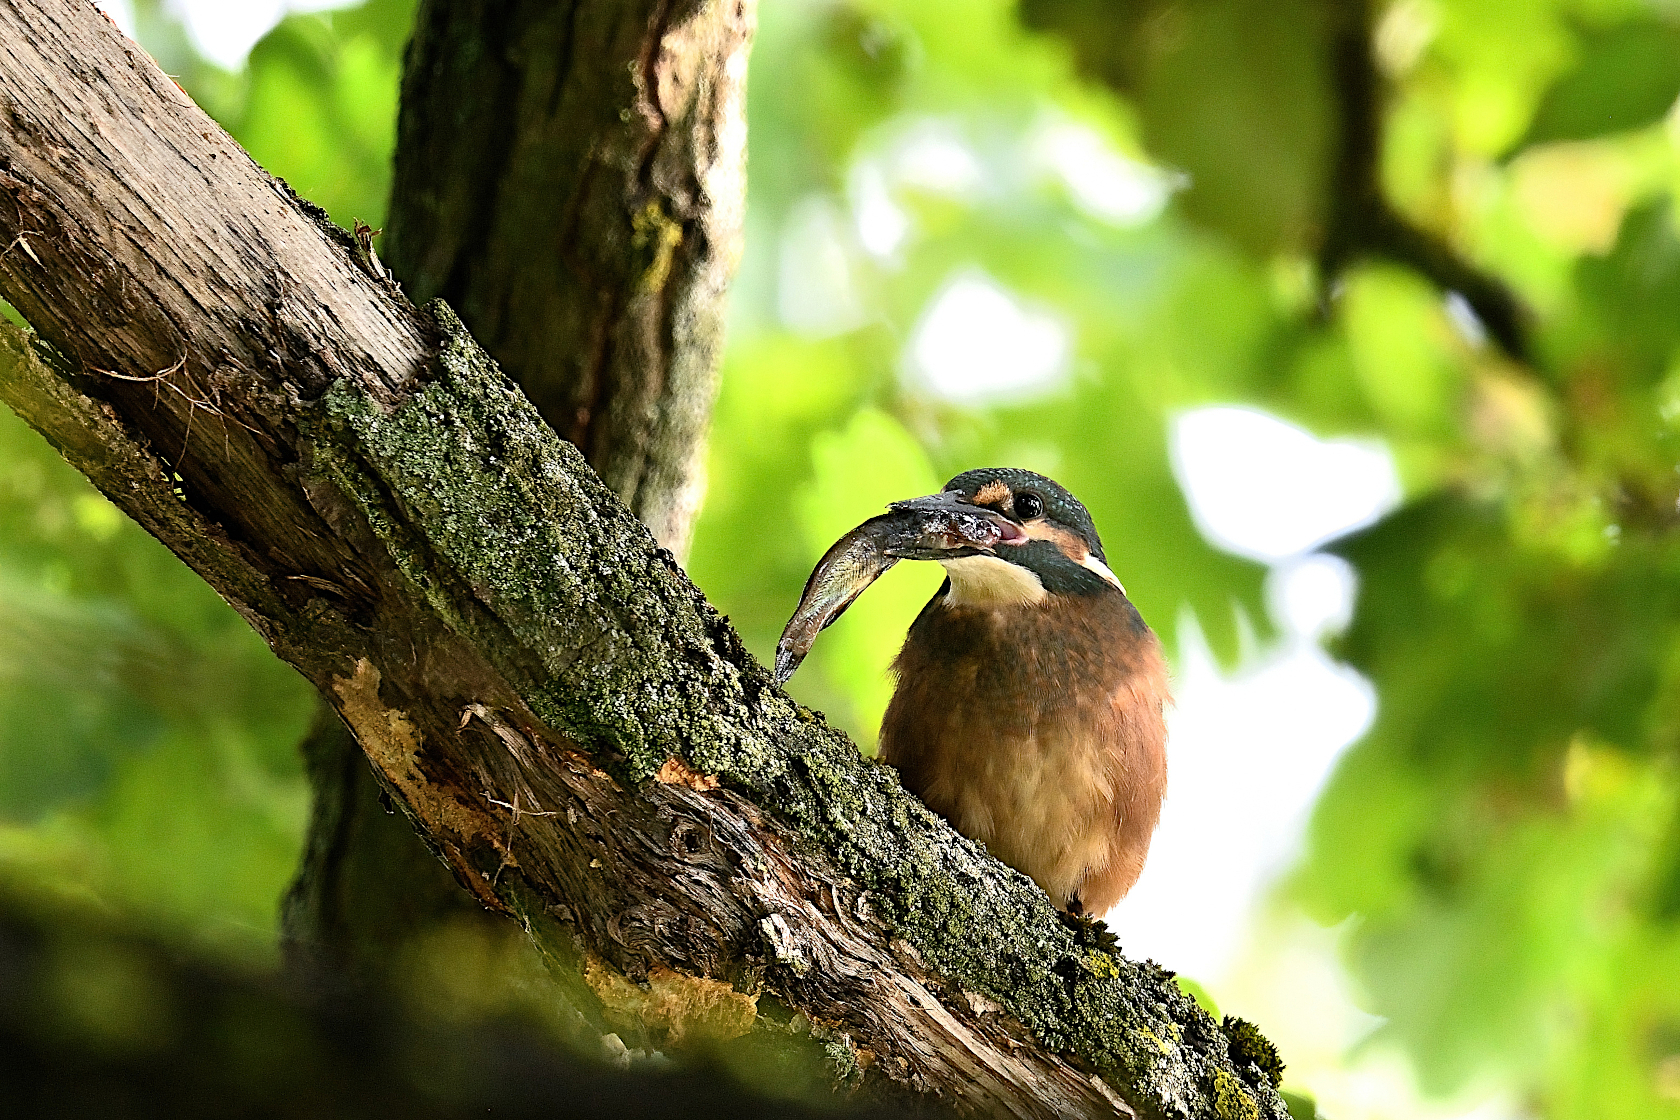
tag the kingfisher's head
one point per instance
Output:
(1049, 544)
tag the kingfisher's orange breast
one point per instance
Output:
(1039, 730)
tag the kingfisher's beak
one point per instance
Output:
(943, 526)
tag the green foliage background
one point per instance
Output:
(1503, 848)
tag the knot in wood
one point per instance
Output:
(692, 842)
(648, 930)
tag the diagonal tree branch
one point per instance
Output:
(1349, 218)
(568, 722)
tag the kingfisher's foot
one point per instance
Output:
(1089, 932)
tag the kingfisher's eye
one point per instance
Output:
(1028, 505)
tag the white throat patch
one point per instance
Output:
(1091, 562)
(986, 581)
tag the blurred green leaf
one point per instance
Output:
(320, 110)
(1495, 831)
(147, 736)
(1626, 76)
(1301, 1107)
(1236, 94)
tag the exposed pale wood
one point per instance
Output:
(513, 651)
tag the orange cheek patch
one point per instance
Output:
(1070, 543)
(991, 493)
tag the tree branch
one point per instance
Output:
(1362, 223)
(569, 723)
(1348, 218)
(366, 885)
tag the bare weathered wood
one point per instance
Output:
(574, 729)
(569, 177)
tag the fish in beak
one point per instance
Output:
(938, 527)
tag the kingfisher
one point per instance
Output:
(1031, 695)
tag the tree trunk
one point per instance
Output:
(570, 177)
(556, 707)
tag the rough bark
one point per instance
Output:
(366, 884)
(568, 722)
(569, 177)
